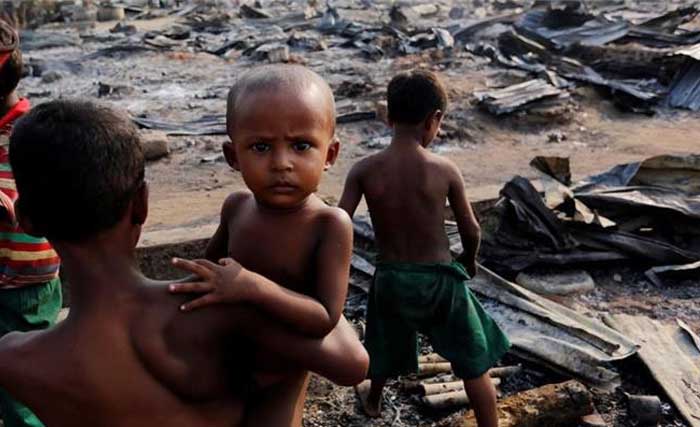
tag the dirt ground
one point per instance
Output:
(188, 186)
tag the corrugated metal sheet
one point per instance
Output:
(550, 26)
(691, 51)
(671, 357)
(685, 89)
(519, 96)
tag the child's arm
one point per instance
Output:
(352, 193)
(217, 248)
(469, 229)
(231, 283)
(339, 356)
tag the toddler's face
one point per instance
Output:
(282, 141)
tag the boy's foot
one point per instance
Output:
(372, 409)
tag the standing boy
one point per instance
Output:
(30, 290)
(281, 121)
(126, 355)
(417, 285)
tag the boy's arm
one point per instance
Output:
(231, 283)
(333, 267)
(339, 356)
(352, 193)
(467, 224)
(217, 247)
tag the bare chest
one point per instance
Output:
(282, 251)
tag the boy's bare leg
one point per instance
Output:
(280, 405)
(482, 395)
(370, 394)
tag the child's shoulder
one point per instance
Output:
(235, 200)
(17, 350)
(441, 164)
(331, 219)
(366, 164)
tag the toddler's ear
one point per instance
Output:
(332, 155)
(230, 155)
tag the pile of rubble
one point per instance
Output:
(549, 233)
(646, 212)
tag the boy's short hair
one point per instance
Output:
(413, 96)
(275, 77)
(77, 165)
(10, 59)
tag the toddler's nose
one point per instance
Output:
(281, 161)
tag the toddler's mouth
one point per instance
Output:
(283, 187)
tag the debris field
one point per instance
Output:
(574, 124)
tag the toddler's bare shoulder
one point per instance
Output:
(234, 201)
(334, 220)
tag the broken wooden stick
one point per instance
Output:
(431, 358)
(434, 368)
(450, 399)
(447, 400)
(429, 389)
(553, 405)
(505, 371)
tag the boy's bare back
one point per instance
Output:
(406, 189)
(141, 362)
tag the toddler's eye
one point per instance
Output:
(301, 146)
(260, 147)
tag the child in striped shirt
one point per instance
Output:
(30, 290)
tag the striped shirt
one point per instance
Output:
(24, 260)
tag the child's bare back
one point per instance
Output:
(406, 188)
(140, 362)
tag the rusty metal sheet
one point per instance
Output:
(519, 96)
(551, 334)
(671, 357)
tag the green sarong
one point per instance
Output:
(26, 309)
(433, 299)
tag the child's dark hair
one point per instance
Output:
(413, 96)
(77, 165)
(11, 70)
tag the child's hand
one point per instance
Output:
(469, 264)
(220, 283)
